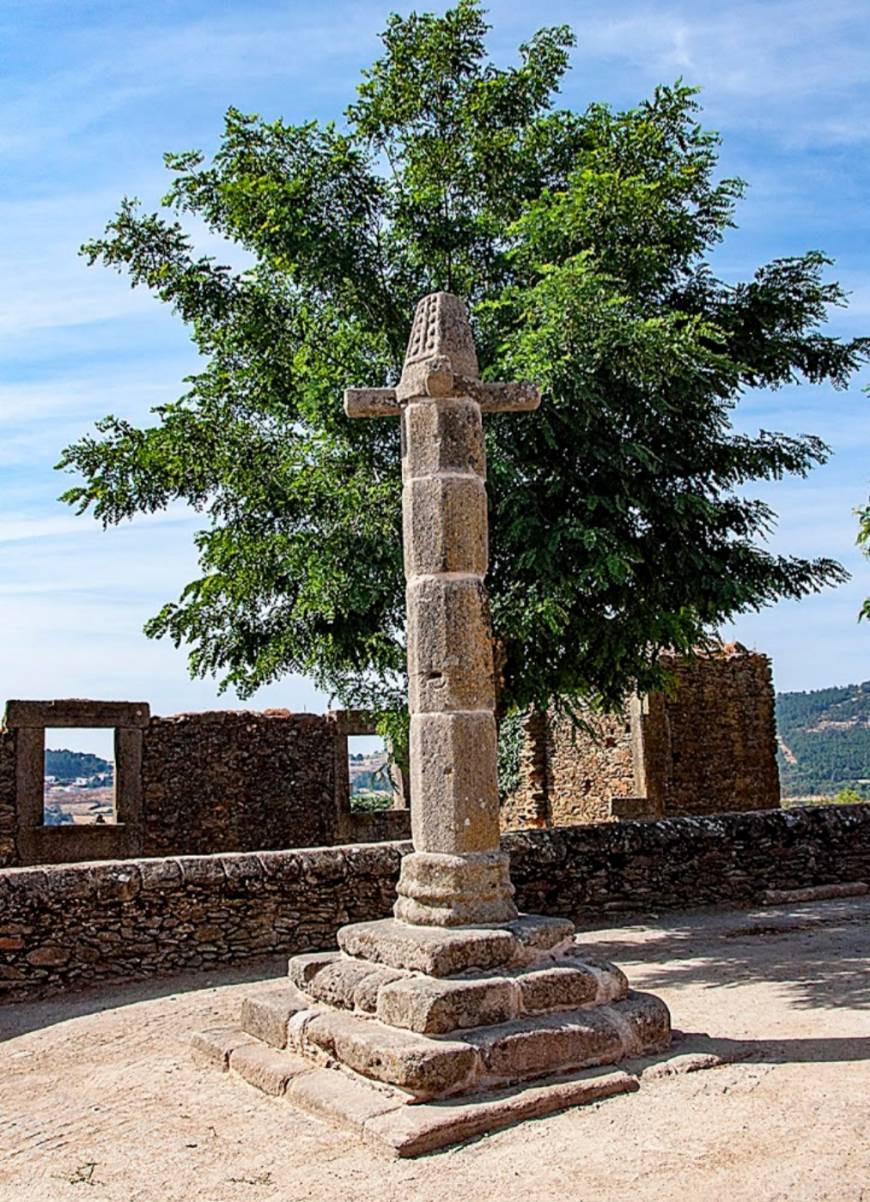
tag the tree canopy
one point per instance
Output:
(619, 518)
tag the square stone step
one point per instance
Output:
(436, 951)
(265, 1014)
(422, 1065)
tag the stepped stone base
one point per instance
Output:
(420, 1036)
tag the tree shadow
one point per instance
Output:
(830, 1050)
(19, 1017)
(818, 957)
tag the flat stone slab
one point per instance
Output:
(436, 951)
(415, 1130)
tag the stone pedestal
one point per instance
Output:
(415, 1037)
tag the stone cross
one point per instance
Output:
(457, 874)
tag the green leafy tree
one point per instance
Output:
(619, 518)
(864, 543)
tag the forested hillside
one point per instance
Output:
(67, 766)
(824, 741)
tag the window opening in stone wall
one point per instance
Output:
(372, 786)
(79, 781)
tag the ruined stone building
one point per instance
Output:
(200, 784)
(708, 748)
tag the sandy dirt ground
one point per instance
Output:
(100, 1099)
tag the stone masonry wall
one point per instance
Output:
(68, 926)
(584, 773)
(8, 808)
(721, 730)
(707, 747)
(237, 781)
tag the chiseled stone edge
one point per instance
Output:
(382, 1116)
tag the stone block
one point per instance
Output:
(612, 981)
(435, 951)
(338, 983)
(426, 1127)
(443, 437)
(365, 996)
(425, 1067)
(265, 1067)
(449, 645)
(266, 1014)
(645, 1022)
(445, 525)
(336, 1096)
(549, 1043)
(538, 932)
(437, 1006)
(556, 987)
(215, 1045)
(454, 782)
(78, 712)
(304, 968)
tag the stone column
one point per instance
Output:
(457, 875)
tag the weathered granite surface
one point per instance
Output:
(68, 926)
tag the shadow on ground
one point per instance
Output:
(818, 954)
(17, 1018)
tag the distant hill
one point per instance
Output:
(824, 741)
(67, 766)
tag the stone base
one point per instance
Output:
(442, 1024)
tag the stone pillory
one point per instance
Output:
(457, 994)
(457, 874)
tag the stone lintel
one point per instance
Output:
(75, 711)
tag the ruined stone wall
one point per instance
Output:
(585, 772)
(8, 809)
(707, 747)
(67, 926)
(721, 731)
(237, 781)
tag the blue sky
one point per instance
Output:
(94, 93)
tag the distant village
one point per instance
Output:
(79, 789)
(370, 778)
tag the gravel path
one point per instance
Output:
(100, 1100)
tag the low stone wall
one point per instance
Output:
(67, 926)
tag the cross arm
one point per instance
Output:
(501, 398)
(371, 402)
(492, 398)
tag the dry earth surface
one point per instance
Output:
(100, 1099)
